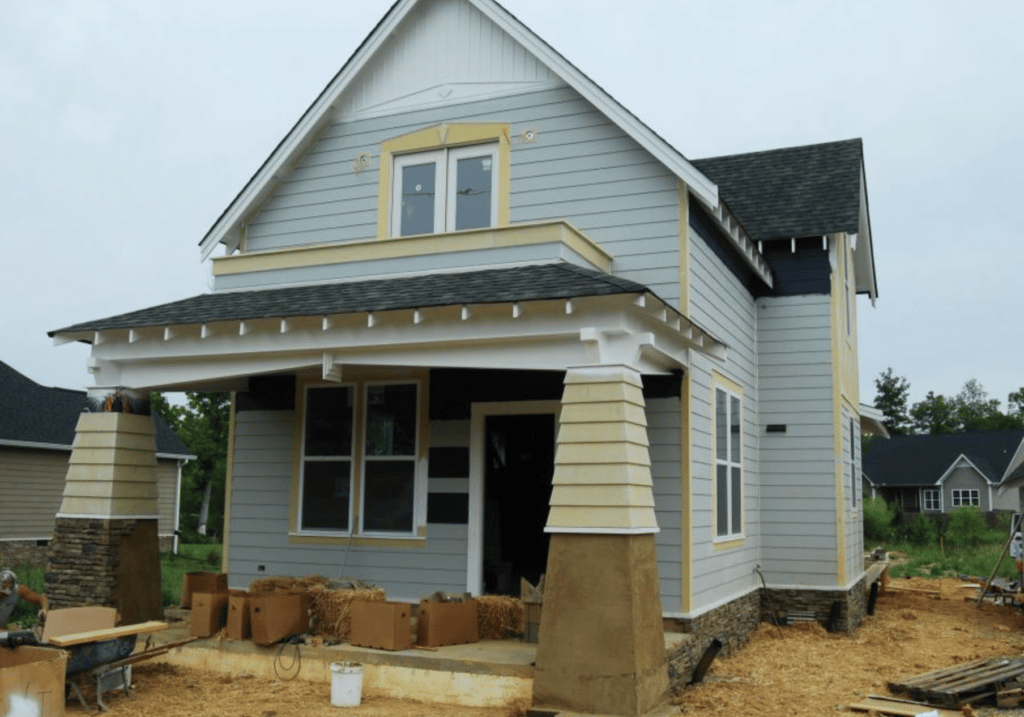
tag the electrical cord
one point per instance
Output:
(296, 661)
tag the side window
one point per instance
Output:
(728, 465)
(445, 190)
(326, 483)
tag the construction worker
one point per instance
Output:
(11, 592)
(1017, 553)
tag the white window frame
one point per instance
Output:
(730, 462)
(973, 497)
(445, 170)
(304, 459)
(931, 499)
(364, 459)
(358, 460)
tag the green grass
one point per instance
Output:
(190, 559)
(932, 562)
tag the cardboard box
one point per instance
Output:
(209, 613)
(446, 623)
(275, 617)
(202, 583)
(384, 625)
(239, 622)
(36, 674)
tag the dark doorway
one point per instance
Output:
(519, 461)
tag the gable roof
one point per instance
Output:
(489, 286)
(31, 414)
(318, 115)
(792, 192)
(924, 460)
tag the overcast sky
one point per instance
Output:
(126, 128)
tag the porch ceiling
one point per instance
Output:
(532, 317)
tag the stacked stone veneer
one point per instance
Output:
(734, 623)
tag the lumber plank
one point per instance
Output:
(111, 633)
(900, 708)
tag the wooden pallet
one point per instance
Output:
(956, 686)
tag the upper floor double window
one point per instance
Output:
(444, 190)
(445, 178)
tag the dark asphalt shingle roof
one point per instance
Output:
(522, 283)
(791, 192)
(922, 460)
(32, 413)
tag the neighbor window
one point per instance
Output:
(728, 465)
(369, 444)
(966, 496)
(930, 498)
(445, 190)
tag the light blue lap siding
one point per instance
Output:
(581, 168)
(260, 500)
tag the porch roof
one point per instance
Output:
(490, 286)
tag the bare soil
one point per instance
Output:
(919, 625)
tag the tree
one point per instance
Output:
(202, 425)
(891, 400)
(1015, 404)
(935, 414)
(975, 411)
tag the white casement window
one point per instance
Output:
(370, 443)
(930, 498)
(445, 190)
(326, 478)
(854, 473)
(966, 496)
(728, 465)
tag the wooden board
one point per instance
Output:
(79, 638)
(901, 708)
(957, 686)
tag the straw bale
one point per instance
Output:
(284, 583)
(333, 608)
(499, 616)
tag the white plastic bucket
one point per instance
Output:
(346, 684)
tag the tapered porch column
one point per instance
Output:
(602, 646)
(105, 548)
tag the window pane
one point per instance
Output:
(391, 420)
(473, 180)
(325, 491)
(722, 499)
(734, 429)
(388, 496)
(418, 192)
(721, 426)
(737, 501)
(329, 422)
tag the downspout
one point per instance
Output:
(177, 506)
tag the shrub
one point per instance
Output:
(922, 531)
(878, 517)
(966, 527)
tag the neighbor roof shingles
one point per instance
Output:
(793, 192)
(922, 460)
(30, 413)
(523, 283)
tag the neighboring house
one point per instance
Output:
(37, 428)
(937, 473)
(439, 250)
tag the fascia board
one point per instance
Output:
(953, 465)
(323, 106)
(866, 261)
(292, 143)
(62, 447)
(644, 135)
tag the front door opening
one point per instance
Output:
(519, 461)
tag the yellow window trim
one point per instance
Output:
(725, 542)
(297, 536)
(440, 137)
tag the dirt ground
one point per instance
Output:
(797, 671)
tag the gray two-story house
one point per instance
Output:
(471, 303)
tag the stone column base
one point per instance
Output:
(110, 562)
(602, 645)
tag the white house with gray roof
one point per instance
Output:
(472, 303)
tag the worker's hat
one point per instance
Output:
(8, 582)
